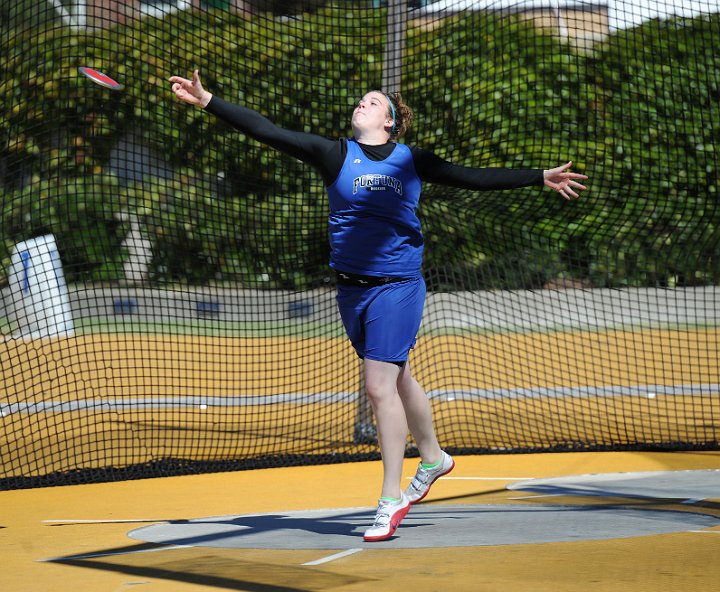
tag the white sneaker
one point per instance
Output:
(424, 478)
(387, 518)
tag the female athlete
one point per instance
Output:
(376, 244)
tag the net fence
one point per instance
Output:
(167, 305)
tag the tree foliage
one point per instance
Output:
(637, 114)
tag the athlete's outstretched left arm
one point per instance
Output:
(433, 169)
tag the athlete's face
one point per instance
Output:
(372, 113)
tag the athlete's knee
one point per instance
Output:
(378, 392)
(380, 381)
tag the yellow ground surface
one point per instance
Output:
(31, 531)
(113, 366)
(132, 367)
(129, 365)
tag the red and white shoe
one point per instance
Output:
(424, 478)
(388, 517)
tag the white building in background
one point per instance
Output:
(621, 13)
(582, 24)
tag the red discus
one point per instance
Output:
(100, 78)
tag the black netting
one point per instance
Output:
(167, 305)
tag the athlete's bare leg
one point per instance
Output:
(381, 381)
(419, 416)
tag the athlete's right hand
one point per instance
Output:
(190, 91)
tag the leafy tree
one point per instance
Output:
(637, 114)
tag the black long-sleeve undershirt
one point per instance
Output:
(327, 155)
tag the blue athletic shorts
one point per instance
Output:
(382, 321)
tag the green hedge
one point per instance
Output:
(637, 114)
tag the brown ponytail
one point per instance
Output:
(400, 113)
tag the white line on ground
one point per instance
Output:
(109, 403)
(706, 531)
(333, 557)
(483, 478)
(692, 500)
(105, 521)
(536, 496)
(487, 478)
(93, 555)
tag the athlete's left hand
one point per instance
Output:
(562, 180)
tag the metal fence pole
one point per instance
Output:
(394, 45)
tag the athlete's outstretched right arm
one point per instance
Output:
(309, 148)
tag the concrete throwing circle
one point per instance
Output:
(676, 485)
(425, 526)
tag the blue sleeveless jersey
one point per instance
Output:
(373, 224)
